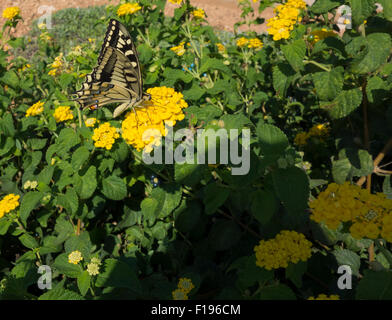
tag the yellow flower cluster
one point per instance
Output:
(221, 48)
(27, 66)
(75, 257)
(287, 15)
(253, 43)
(128, 8)
(63, 113)
(93, 267)
(318, 35)
(35, 109)
(11, 12)
(179, 50)
(175, 1)
(323, 296)
(242, 42)
(90, 122)
(319, 131)
(56, 65)
(370, 214)
(104, 136)
(287, 246)
(199, 13)
(8, 203)
(30, 184)
(184, 286)
(144, 127)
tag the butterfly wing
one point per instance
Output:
(117, 77)
(118, 37)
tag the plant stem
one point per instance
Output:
(317, 64)
(366, 131)
(378, 159)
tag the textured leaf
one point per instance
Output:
(361, 10)
(345, 103)
(328, 84)
(264, 205)
(86, 184)
(214, 197)
(295, 54)
(347, 257)
(292, 187)
(29, 202)
(63, 266)
(375, 54)
(118, 274)
(282, 75)
(375, 286)
(60, 294)
(114, 188)
(324, 6)
(272, 140)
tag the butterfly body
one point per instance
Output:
(117, 76)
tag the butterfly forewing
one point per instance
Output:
(117, 77)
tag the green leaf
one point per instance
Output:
(361, 10)
(189, 174)
(324, 6)
(64, 267)
(282, 75)
(347, 257)
(295, 271)
(205, 113)
(83, 281)
(60, 294)
(209, 64)
(249, 273)
(69, 201)
(119, 274)
(387, 8)
(162, 202)
(4, 225)
(173, 75)
(86, 184)
(67, 139)
(328, 84)
(341, 170)
(272, 140)
(65, 79)
(292, 187)
(375, 286)
(214, 197)
(114, 188)
(11, 79)
(29, 202)
(346, 102)
(295, 54)
(7, 125)
(194, 93)
(377, 90)
(374, 55)
(80, 243)
(79, 157)
(28, 241)
(264, 206)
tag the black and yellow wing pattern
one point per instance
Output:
(117, 76)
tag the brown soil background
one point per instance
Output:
(222, 14)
